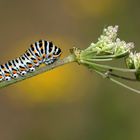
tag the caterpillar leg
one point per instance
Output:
(15, 76)
(37, 65)
(30, 66)
(32, 69)
(1, 80)
(22, 73)
(49, 61)
(15, 73)
(7, 78)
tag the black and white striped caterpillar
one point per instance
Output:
(40, 52)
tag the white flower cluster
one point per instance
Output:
(133, 61)
(108, 43)
(122, 46)
(109, 34)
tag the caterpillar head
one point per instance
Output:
(53, 56)
(57, 53)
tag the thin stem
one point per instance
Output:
(108, 67)
(68, 59)
(116, 75)
(123, 77)
(99, 60)
(125, 86)
(94, 55)
(119, 83)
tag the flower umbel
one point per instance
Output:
(107, 47)
(110, 47)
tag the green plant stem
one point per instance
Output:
(123, 77)
(108, 67)
(93, 54)
(66, 60)
(117, 82)
(98, 60)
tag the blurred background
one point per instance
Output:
(70, 102)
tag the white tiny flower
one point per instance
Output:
(110, 28)
(118, 40)
(131, 55)
(116, 28)
(104, 30)
(130, 45)
(92, 44)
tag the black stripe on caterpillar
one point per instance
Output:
(41, 51)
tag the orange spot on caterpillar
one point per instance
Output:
(30, 65)
(14, 72)
(7, 74)
(44, 55)
(35, 61)
(38, 58)
(22, 69)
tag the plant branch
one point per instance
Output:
(66, 60)
(123, 77)
(117, 82)
(108, 67)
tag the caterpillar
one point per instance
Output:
(41, 51)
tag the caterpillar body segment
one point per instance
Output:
(41, 51)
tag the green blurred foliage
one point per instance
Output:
(68, 103)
